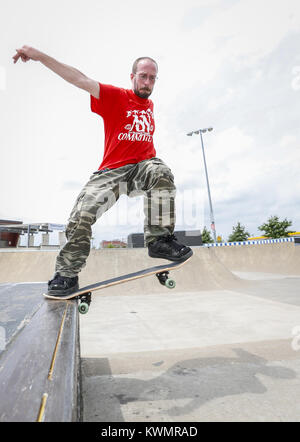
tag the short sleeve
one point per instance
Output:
(108, 97)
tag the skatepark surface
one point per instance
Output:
(224, 345)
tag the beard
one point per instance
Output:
(142, 93)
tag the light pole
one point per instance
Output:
(197, 132)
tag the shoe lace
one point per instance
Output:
(57, 278)
(172, 238)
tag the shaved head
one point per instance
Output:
(135, 64)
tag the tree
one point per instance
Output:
(274, 228)
(238, 233)
(206, 236)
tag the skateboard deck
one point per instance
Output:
(84, 293)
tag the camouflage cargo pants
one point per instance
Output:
(151, 178)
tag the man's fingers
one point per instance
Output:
(16, 58)
(20, 53)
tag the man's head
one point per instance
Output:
(143, 76)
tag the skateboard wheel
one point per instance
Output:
(83, 307)
(170, 283)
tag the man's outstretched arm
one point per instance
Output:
(68, 73)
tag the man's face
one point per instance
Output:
(144, 79)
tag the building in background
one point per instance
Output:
(11, 231)
(9, 237)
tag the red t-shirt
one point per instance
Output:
(128, 125)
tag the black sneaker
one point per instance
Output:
(167, 247)
(62, 285)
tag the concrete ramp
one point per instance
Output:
(282, 258)
(204, 271)
(209, 267)
(26, 266)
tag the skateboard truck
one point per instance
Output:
(165, 280)
(84, 302)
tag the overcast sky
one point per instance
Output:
(230, 64)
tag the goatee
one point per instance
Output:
(143, 93)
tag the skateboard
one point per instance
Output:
(84, 294)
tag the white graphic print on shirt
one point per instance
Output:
(140, 126)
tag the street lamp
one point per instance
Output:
(197, 132)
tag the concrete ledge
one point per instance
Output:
(40, 368)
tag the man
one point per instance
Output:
(129, 166)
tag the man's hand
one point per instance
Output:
(26, 53)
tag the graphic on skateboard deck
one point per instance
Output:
(84, 294)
